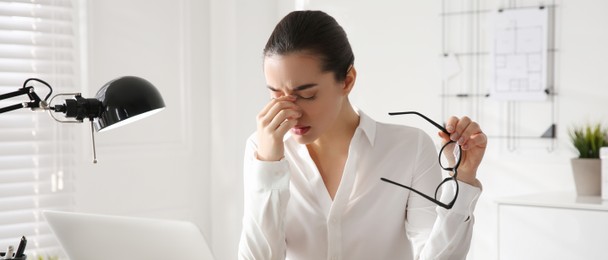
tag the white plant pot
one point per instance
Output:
(587, 176)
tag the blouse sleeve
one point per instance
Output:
(435, 232)
(266, 196)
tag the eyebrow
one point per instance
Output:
(298, 88)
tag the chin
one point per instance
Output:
(304, 139)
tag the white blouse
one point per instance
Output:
(290, 215)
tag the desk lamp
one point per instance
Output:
(118, 102)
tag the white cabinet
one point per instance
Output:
(552, 226)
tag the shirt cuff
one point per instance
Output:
(467, 198)
(268, 175)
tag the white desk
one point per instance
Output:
(552, 226)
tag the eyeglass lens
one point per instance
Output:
(449, 160)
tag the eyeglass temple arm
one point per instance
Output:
(439, 203)
(423, 116)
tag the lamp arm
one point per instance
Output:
(21, 91)
(11, 108)
(35, 101)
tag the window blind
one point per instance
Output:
(38, 38)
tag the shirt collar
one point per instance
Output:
(367, 125)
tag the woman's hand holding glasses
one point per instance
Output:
(473, 142)
(461, 152)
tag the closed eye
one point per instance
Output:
(277, 93)
(306, 97)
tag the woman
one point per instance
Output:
(313, 167)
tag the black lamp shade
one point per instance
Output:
(125, 100)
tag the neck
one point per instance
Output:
(337, 138)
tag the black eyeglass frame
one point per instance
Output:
(453, 169)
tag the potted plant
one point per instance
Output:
(587, 167)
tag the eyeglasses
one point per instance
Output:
(449, 160)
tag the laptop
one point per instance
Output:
(102, 237)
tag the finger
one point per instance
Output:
(273, 102)
(472, 129)
(445, 137)
(277, 108)
(282, 116)
(265, 119)
(477, 140)
(462, 124)
(285, 126)
(450, 125)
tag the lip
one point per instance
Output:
(300, 130)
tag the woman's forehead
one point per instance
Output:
(291, 69)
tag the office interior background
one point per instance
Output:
(205, 57)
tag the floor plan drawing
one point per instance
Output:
(519, 57)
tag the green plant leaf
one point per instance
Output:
(588, 140)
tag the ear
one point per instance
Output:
(349, 81)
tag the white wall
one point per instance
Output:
(157, 167)
(205, 57)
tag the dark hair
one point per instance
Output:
(315, 32)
